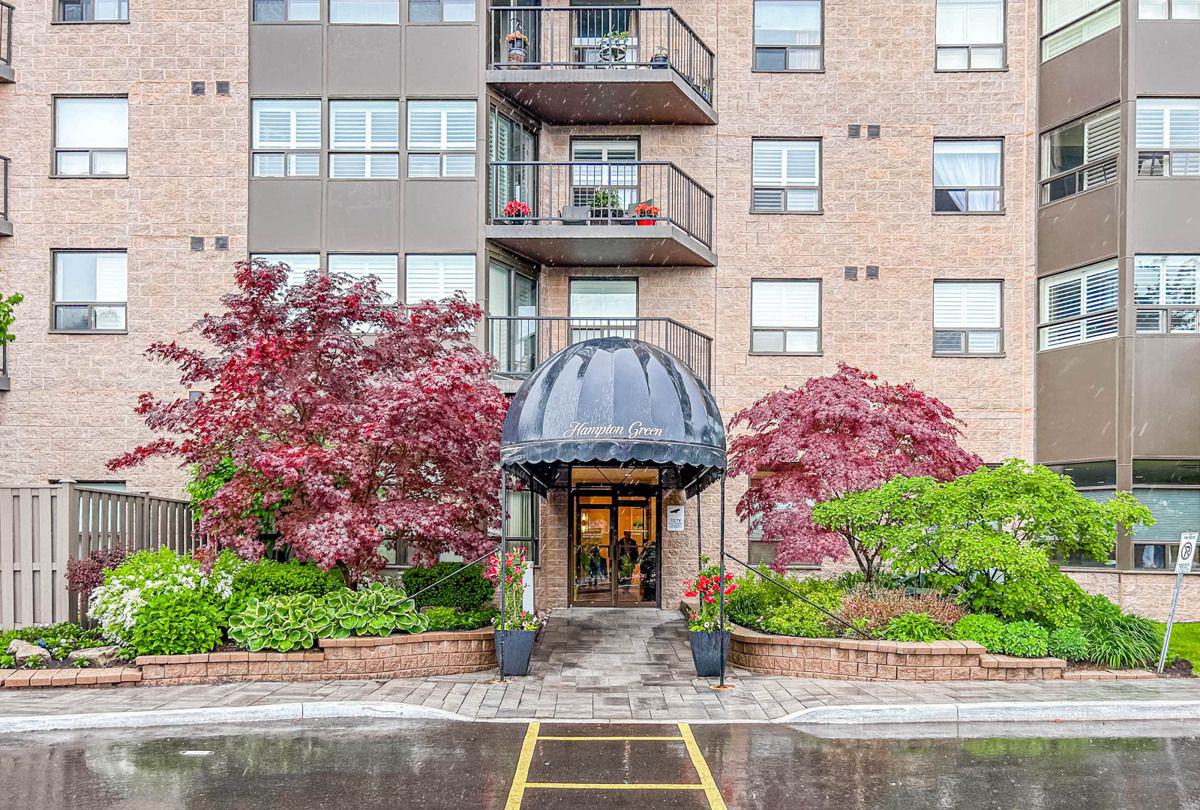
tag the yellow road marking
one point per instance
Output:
(521, 778)
(559, 739)
(611, 786)
(706, 778)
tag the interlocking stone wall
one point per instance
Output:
(1147, 593)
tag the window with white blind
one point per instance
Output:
(967, 317)
(1081, 155)
(788, 35)
(1067, 24)
(91, 137)
(365, 12)
(441, 11)
(441, 138)
(384, 267)
(432, 278)
(1078, 306)
(286, 137)
(1165, 293)
(287, 10)
(786, 176)
(364, 139)
(785, 316)
(1168, 137)
(93, 11)
(299, 265)
(970, 35)
(599, 181)
(90, 291)
(1169, 10)
(968, 176)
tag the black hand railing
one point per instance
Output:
(6, 32)
(601, 38)
(4, 163)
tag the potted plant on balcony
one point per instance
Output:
(661, 58)
(516, 212)
(645, 213)
(515, 636)
(606, 204)
(517, 44)
(614, 46)
(709, 641)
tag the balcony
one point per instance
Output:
(583, 214)
(520, 344)
(5, 223)
(602, 65)
(4, 382)
(6, 39)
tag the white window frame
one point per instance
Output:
(1096, 319)
(1093, 18)
(446, 151)
(441, 4)
(441, 265)
(1150, 10)
(974, 56)
(296, 153)
(299, 264)
(95, 305)
(971, 192)
(979, 335)
(380, 156)
(287, 12)
(66, 144)
(805, 324)
(1173, 306)
(783, 183)
(1161, 151)
(359, 265)
(390, 19)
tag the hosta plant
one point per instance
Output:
(1069, 643)
(1025, 639)
(176, 622)
(914, 627)
(982, 628)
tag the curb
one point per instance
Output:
(998, 712)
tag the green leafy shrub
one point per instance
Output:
(762, 605)
(1069, 643)
(1025, 639)
(914, 627)
(264, 579)
(467, 590)
(176, 623)
(1115, 639)
(7, 661)
(795, 618)
(59, 640)
(982, 628)
(445, 618)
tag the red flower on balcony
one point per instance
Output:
(516, 208)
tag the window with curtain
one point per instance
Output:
(1078, 306)
(785, 316)
(432, 11)
(1165, 293)
(91, 136)
(287, 10)
(1169, 10)
(98, 11)
(432, 278)
(385, 12)
(441, 138)
(286, 138)
(1081, 155)
(970, 34)
(786, 175)
(385, 267)
(967, 176)
(788, 35)
(1168, 137)
(1067, 24)
(299, 265)
(967, 317)
(90, 291)
(364, 139)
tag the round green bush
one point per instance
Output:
(1069, 643)
(982, 628)
(176, 623)
(914, 627)
(1025, 640)
(266, 578)
(444, 618)
(467, 590)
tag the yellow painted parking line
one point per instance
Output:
(516, 793)
(706, 778)
(609, 739)
(611, 786)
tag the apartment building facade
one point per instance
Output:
(818, 181)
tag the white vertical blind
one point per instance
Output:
(91, 123)
(966, 304)
(432, 278)
(384, 267)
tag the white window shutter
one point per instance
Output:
(785, 304)
(111, 277)
(383, 267)
(432, 278)
(966, 305)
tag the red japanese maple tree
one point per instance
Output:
(831, 436)
(351, 420)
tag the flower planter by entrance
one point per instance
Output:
(516, 647)
(708, 651)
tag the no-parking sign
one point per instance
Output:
(1187, 552)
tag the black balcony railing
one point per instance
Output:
(599, 193)
(6, 33)
(4, 385)
(4, 188)
(601, 38)
(520, 344)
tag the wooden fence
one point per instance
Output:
(42, 527)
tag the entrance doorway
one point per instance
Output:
(615, 556)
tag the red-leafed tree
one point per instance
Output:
(831, 436)
(347, 419)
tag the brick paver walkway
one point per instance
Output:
(602, 665)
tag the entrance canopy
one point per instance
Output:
(614, 401)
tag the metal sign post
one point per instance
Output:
(1183, 565)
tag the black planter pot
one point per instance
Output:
(708, 651)
(659, 62)
(517, 646)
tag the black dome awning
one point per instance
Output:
(614, 401)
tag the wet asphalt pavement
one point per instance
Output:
(432, 764)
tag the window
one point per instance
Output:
(299, 264)
(603, 307)
(785, 317)
(91, 137)
(968, 176)
(441, 138)
(1165, 293)
(1067, 24)
(1081, 155)
(89, 291)
(512, 308)
(1169, 10)
(511, 142)
(287, 10)
(364, 139)
(441, 10)
(287, 138)
(967, 317)
(1168, 137)
(93, 10)
(382, 266)
(1078, 306)
(432, 278)
(970, 34)
(522, 526)
(787, 35)
(1175, 511)
(386, 12)
(787, 176)
(599, 181)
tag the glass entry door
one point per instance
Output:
(614, 551)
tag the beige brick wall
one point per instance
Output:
(72, 398)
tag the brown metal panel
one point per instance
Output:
(1077, 402)
(1079, 81)
(1166, 411)
(285, 215)
(1168, 59)
(1079, 230)
(364, 216)
(1165, 216)
(281, 60)
(364, 60)
(441, 60)
(442, 216)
